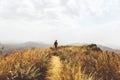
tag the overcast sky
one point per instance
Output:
(68, 21)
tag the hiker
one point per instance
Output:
(56, 44)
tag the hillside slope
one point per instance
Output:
(86, 62)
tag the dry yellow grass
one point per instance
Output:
(65, 63)
(36, 57)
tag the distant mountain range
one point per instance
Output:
(8, 48)
(104, 48)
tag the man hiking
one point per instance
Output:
(55, 44)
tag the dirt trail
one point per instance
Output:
(54, 69)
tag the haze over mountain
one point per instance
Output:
(8, 48)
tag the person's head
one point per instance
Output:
(55, 40)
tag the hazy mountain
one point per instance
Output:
(104, 48)
(33, 44)
(7, 48)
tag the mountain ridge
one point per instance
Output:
(10, 47)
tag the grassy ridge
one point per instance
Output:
(66, 63)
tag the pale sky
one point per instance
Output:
(68, 21)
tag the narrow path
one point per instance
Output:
(54, 69)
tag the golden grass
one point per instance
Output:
(36, 57)
(65, 63)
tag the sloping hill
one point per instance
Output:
(86, 62)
